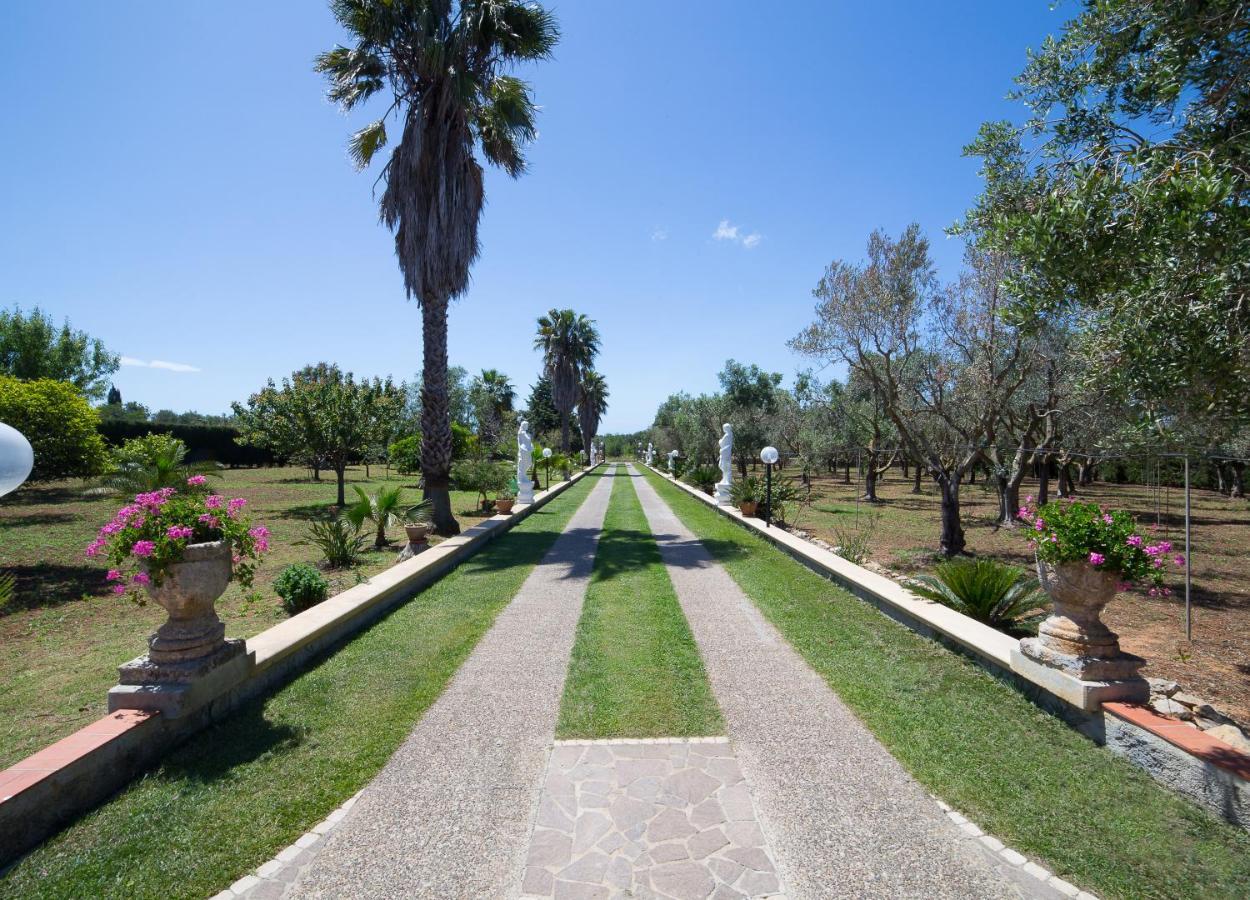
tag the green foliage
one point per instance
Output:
(983, 589)
(479, 475)
(464, 442)
(569, 343)
(420, 514)
(340, 541)
(33, 347)
(205, 440)
(855, 544)
(747, 490)
(382, 508)
(58, 422)
(704, 478)
(300, 586)
(405, 454)
(1069, 531)
(151, 462)
(785, 498)
(8, 589)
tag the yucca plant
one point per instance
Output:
(984, 589)
(381, 508)
(339, 539)
(8, 588)
(704, 478)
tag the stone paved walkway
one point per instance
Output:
(451, 813)
(844, 817)
(665, 818)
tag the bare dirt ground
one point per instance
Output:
(1215, 665)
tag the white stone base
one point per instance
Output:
(174, 699)
(525, 492)
(722, 494)
(1085, 695)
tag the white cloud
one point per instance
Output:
(727, 232)
(158, 364)
(659, 234)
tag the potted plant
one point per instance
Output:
(1085, 554)
(181, 548)
(483, 477)
(418, 521)
(747, 493)
(504, 500)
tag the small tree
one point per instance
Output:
(33, 347)
(58, 422)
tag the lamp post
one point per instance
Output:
(768, 456)
(547, 459)
(16, 459)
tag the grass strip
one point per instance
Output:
(239, 792)
(1019, 773)
(635, 670)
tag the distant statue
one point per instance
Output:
(672, 459)
(725, 484)
(524, 463)
(650, 453)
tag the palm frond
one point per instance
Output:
(365, 143)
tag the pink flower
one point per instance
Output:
(1179, 560)
(1108, 519)
(1097, 559)
(1134, 540)
(210, 520)
(234, 506)
(1028, 499)
(176, 532)
(114, 575)
(119, 589)
(141, 578)
(1039, 524)
(143, 548)
(1123, 585)
(1153, 592)
(236, 559)
(259, 531)
(196, 480)
(213, 501)
(94, 548)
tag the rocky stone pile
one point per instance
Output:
(1167, 698)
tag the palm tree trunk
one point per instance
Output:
(564, 430)
(436, 445)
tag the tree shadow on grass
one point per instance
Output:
(45, 495)
(308, 511)
(699, 553)
(240, 739)
(46, 585)
(34, 519)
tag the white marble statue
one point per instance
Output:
(650, 453)
(524, 462)
(725, 484)
(672, 460)
(593, 453)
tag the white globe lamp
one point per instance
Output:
(17, 458)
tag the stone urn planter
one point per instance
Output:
(189, 593)
(503, 506)
(1073, 638)
(749, 508)
(417, 534)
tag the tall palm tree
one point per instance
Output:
(444, 64)
(493, 396)
(592, 403)
(569, 342)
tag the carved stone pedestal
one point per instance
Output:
(723, 492)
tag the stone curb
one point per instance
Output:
(1013, 857)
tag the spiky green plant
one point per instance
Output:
(340, 541)
(8, 588)
(382, 508)
(152, 462)
(983, 589)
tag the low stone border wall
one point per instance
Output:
(46, 791)
(1208, 771)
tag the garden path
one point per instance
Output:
(842, 815)
(451, 813)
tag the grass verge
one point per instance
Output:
(1017, 772)
(239, 792)
(635, 669)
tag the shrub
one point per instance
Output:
(479, 475)
(747, 490)
(984, 589)
(785, 497)
(855, 544)
(704, 478)
(339, 539)
(204, 442)
(300, 586)
(58, 422)
(405, 454)
(152, 462)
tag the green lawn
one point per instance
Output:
(64, 634)
(635, 670)
(239, 792)
(1017, 772)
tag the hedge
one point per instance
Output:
(204, 442)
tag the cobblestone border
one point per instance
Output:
(1013, 857)
(273, 879)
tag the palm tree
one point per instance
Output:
(493, 396)
(444, 64)
(381, 508)
(592, 403)
(569, 343)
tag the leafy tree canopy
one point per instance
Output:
(32, 346)
(58, 422)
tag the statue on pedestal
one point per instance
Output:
(725, 484)
(650, 453)
(672, 459)
(524, 462)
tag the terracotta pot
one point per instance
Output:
(1074, 637)
(188, 592)
(503, 506)
(417, 534)
(749, 507)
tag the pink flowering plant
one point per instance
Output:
(150, 533)
(1073, 531)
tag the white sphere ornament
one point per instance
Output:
(546, 453)
(769, 456)
(17, 458)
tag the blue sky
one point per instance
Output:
(174, 181)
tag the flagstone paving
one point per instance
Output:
(451, 813)
(845, 819)
(662, 818)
